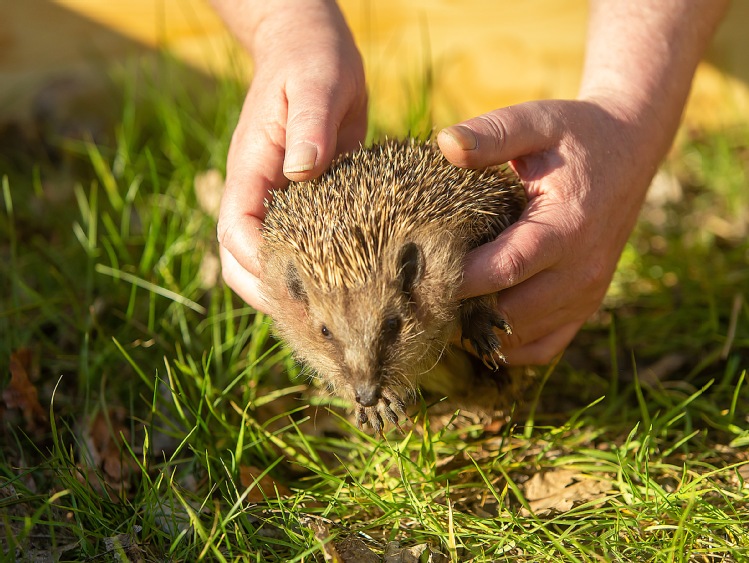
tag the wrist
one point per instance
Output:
(648, 128)
(287, 26)
(261, 27)
(641, 56)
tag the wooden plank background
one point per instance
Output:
(484, 53)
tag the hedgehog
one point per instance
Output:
(362, 268)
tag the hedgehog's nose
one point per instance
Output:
(367, 394)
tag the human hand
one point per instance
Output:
(586, 166)
(307, 103)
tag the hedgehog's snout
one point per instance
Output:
(367, 394)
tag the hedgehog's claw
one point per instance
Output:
(394, 401)
(376, 423)
(388, 408)
(503, 325)
(369, 415)
(487, 348)
(478, 322)
(361, 417)
(390, 415)
(491, 360)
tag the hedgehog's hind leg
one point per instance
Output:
(478, 318)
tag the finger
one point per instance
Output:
(244, 284)
(253, 169)
(248, 184)
(501, 135)
(240, 236)
(543, 304)
(524, 249)
(315, 118)
(353, 130)
(531, 310)
(545, 349)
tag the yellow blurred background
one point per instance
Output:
(483, 53)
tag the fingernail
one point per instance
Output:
(463, 137)
(300, 158)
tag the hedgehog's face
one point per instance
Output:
(364, 341)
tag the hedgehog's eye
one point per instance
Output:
(392, 325)
(325, 332)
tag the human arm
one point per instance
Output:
(586, 165)
(307, 102)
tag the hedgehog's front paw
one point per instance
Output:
(388, 407)
(478, 320)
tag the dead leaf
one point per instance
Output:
(104, 437)
(265, 488)
(20, 393)
(421, 553)
(321, 528)
(354, 550)
(559, 490)
(125, 547)
(209, 187)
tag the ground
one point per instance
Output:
(148, 415)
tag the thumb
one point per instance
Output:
(321, 122)
(310, 140)
(501, 135)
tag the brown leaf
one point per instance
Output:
(265, 488)
(394, 553)
(321, 528)
(104, 437)
(354, 550)
(125, 547)
(20, 393)
(559, 490)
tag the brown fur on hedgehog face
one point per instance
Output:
(380, 334)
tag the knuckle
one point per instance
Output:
(510, 268)
(227, 231)
(496, 131)
(306, 120)
(227, 224)
(512, 341)
(223, 232)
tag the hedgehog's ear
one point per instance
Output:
(294, 284)
(411, 266)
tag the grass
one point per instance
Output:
(173, 427)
